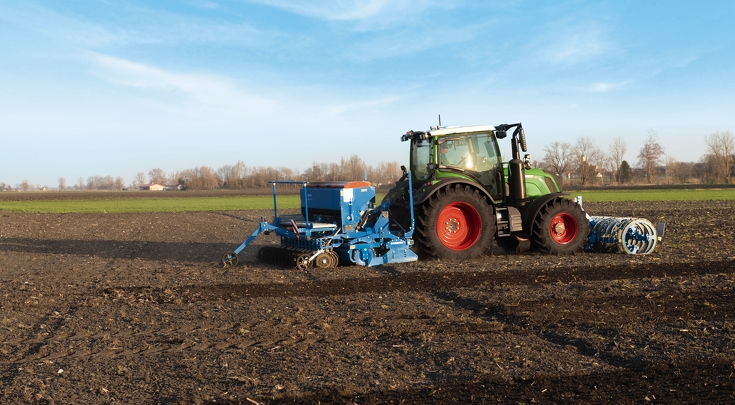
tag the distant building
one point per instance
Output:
(151, 187)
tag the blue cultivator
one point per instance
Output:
(339, 222)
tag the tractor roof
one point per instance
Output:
(461, 130)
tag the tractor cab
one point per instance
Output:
(472, 153)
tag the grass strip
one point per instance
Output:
(655, 195)
(139, 205)
(265, 202)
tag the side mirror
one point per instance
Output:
(521, 134)
(523, 140)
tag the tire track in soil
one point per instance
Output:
(155, 341)
(526, 318)
(551, 319)
(429, 282)
(34, 343)
(705, 381)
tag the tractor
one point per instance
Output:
(465, 198)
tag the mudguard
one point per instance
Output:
(423, 193)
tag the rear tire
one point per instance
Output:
(455, 223)
(561, 227)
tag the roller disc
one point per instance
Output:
(335, 258)
(324, 260)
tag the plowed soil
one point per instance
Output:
(135, 308)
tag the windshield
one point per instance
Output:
(476, 152)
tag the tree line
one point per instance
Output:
(237, 176)
(585, 163)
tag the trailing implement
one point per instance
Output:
(339, 223)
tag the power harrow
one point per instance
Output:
(339, 223)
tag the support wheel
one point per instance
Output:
(302, 261)
(560, 227)
(229, 259)
(455, 223)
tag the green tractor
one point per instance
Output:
(466, 198)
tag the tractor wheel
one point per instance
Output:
(455, 223)
(560, 227)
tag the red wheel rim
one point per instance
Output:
(459, 226)
(563, 228)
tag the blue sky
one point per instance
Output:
(120, 87)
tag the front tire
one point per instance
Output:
(561, 227)
(455, 223)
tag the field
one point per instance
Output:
(133, 307)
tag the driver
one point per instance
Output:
(443, 159)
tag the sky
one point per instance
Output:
(98, 88)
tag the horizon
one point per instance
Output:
(93, 88)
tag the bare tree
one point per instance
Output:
(557, 158)
(650, 155)
(138, 180)
(672, 165)
(226, 176)
(119, 183)
(585, 158)
(617, 151)
(173, 177)
(157, 176)
(315, 173)
(353, 168)
(384, 173)
(682, 171)
(62, 184)
(721, 145)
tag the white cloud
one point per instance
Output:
(575, 46)
(137, 26)
(365, 15)
(204, 4)
(409, 41)
(573, 39)
(364, 107)
(602, 87)
(331, 10)
(205, 90)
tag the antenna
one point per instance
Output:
(440, 120)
